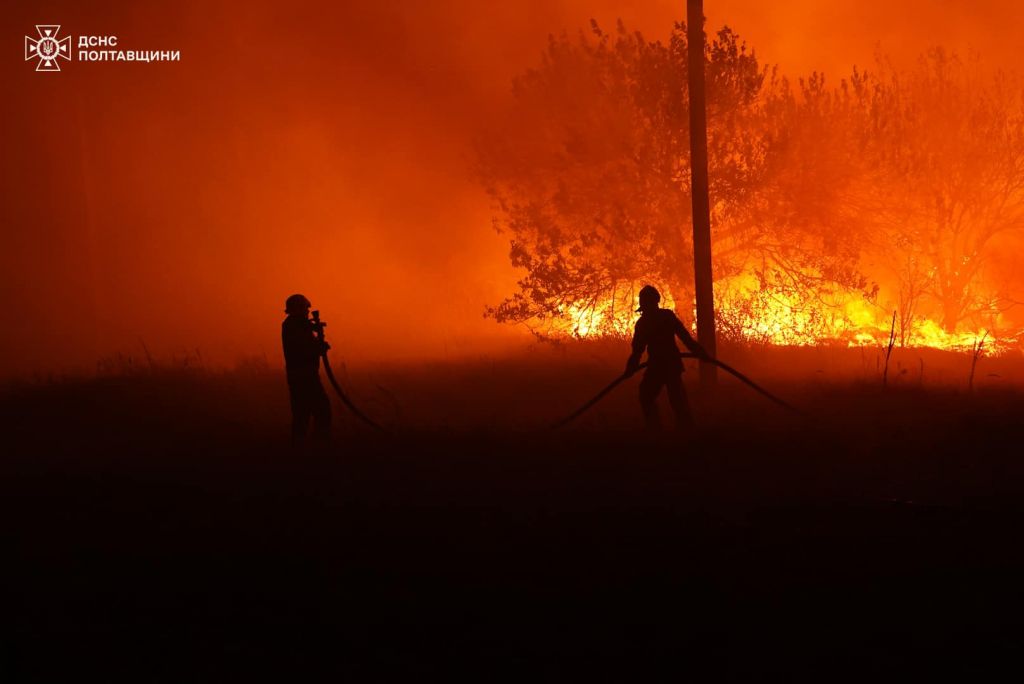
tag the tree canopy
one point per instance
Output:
(905, 178)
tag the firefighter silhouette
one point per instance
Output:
(656, 333)
(302, 351)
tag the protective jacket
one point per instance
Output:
(301, 348)
(656, 333)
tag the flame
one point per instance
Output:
(610, 316)
(747, 311)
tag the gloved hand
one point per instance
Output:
(631, 368)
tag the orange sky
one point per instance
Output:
(315, 147)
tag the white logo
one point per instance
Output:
(47, 49)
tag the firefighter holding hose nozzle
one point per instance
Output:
(656, 333)
(302, 352)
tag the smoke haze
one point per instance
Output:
(321, 148)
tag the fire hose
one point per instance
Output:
(724, 366)
(318, 329)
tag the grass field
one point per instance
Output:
(161, 530)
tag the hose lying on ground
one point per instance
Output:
(615, 383)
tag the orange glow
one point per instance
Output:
(322, 148)
(749, 313)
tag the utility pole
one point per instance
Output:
(703, 279)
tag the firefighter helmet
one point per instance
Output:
(649, 298)
(296, 304)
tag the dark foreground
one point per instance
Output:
(154, 535)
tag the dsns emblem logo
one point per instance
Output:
(47, 49)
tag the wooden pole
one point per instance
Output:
(703, 279)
